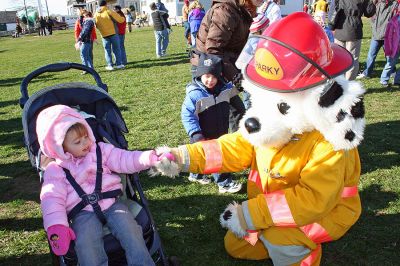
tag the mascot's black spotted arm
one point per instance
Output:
(299, 139)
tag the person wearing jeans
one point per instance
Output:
(347, 23)
(120, 221)
(385, 9)
(112, 42)
(84, 40)
(105, 20)
(121, 34)
(161, 30)
(389, 69)
(162, 41)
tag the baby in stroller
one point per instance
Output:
(69, 211)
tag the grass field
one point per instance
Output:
(150, 92)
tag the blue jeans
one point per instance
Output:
(374, 48)
(220, 179)
(390, 67)
(87, 54)
(246, 99)
(89, 244)
(186, 32)
(112, 42)
(162, 41)
(122, 48)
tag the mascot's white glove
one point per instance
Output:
(169, 162)
(233, 219)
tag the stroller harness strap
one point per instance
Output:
(93, 198)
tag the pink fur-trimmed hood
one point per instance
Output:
(51, 126)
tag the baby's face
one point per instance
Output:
(209, 80)
(78, 146)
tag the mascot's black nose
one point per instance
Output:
(252, 125)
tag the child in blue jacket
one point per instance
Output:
(205, 112)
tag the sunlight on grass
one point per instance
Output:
(149, 93)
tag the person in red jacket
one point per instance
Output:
(121, 33)
(78, 30)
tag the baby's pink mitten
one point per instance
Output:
(60, 237)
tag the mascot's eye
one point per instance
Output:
(283, 107)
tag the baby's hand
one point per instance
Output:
(167, 163)
(59, 237)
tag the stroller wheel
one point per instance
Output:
(173, 261)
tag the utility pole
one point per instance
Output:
(27, 21)
(47, 8)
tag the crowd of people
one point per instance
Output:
(222, 40)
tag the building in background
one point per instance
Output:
(174, 6)
(7, 22)
(92, 5)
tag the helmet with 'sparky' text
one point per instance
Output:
(294, 54)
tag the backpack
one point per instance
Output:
(392, 36)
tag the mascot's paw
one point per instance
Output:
(167, 163)
(231, 219)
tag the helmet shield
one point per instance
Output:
(293, 54)
(276, 66)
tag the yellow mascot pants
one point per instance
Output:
(280, 238)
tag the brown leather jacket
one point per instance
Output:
(224, 31)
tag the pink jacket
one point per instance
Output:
(57, 196)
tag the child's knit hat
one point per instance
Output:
(209, 64)
(259, 23)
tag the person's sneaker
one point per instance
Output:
(384, 84)
(362, 76)
(232, 187)
(109, 68)
(120, 67)
(203, 180)
(83, 73)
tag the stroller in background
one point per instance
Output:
(108, 126)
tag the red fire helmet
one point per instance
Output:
(294, 54)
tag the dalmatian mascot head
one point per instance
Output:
(295, 78)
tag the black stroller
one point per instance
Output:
(108, 126)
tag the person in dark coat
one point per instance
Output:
(385, 10)
(50, 24)
(347, 24)
(223, 32)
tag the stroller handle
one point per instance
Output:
(57, 67)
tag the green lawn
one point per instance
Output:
(150, 92)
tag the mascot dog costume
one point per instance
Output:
(299, 139)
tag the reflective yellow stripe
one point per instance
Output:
(279, 209)
(213, 155)
(316, 233)
(308, 261)
(349, 192)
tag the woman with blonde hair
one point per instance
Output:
(196, 14)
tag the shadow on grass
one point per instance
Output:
(27, 260)
(374, 239)
(10, 125)
(7, 103)
(190, 229)
(381, 147)
(391, 88)
(21, 182)
(17, 81)
(174, 59)
(26, 224)
(13, 139)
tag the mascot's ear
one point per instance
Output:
(339, 113)
(330, 94)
